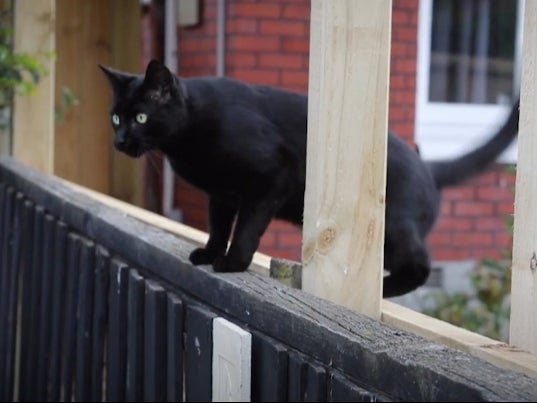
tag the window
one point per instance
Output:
(468, 73)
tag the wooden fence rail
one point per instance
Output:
(98, 305)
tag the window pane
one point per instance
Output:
(472, 51)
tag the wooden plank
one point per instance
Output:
(346, 153)
(307, 380)
(43, 335)
(84, 315)
(5, 275)
(496, 352)
(269, 369)
(25, 310)
(155, 343)
(316, 384)
(33, 138)
(127, 173)
(523, 320)
(174, 373)
(297, 373)
(71, 308)
(330, 334)
(135, 337)
(343, 390)
(100, 311)
(116, 353)
(35, 298)
(232, 357)
(59, 278)
(83, 143)
(198, 354)
(17, 260)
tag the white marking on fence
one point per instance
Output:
(232, 350)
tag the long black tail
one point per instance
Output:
(453, 172)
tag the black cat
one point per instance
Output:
(245, 146)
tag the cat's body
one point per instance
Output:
(245, 146)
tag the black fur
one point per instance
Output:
(245, 146)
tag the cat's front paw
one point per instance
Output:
(223, 264)
(202, 256)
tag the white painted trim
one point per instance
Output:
(445, 130)
(232, 352)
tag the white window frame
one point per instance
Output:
(445, 130)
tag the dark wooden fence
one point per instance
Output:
(98, 306)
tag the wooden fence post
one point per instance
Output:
(523, 321)
(346, 163)
(33, 119)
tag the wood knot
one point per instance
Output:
(326, 239)
(533, 262)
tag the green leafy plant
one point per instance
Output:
(19, 72)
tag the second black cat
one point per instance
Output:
(245, 146)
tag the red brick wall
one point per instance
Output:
(268, 42)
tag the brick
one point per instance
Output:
(295, 44)
(504, 239)
(254, 43)
(405, 34)
(450, 254)
(198, 59)
(410, 5)
(473, 208)
(400, 17)
(489, 223)
(198, 45)
(257, 76)
(268, 240)
(278, 27)
(241, 59)
(407, 65)
(449, 223)
(298, 79)
(282, 226)
(242, 26)
(253, 9)
(291, 254)
(298, 11)
(439, 238)
(459, 193)
(290, 239)
(505, 208)
(473, 238)
(495, 193)
(282, 60)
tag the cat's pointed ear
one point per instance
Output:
(117, 79)
(160, 83)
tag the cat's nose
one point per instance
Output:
(120, 140)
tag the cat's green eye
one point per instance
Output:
(115, 119)
(141, 118)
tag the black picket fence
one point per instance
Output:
(99, 306)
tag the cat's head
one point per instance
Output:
(147, 110)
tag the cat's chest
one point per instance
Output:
(210, 175)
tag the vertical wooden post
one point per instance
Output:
(346, 163)
(127, 173)
(33, 118)
(523, 322)
(83, 138)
